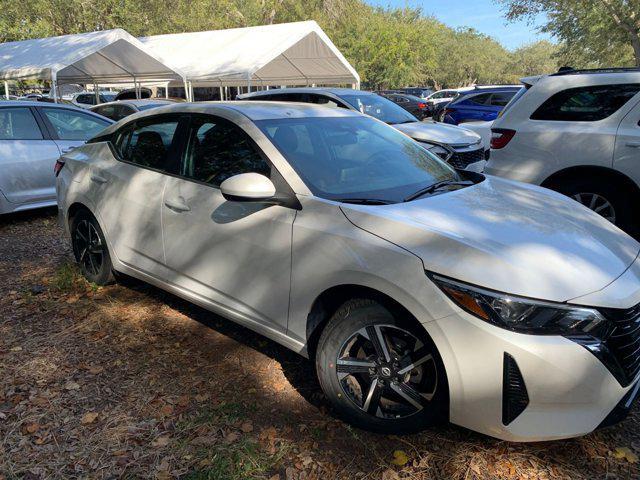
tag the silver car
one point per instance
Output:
(33, 135)
(459, 147)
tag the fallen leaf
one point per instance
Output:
(96, 370)
(390, 475)
(166, 410)
(161, 441)
(247, 427)
(16, 349)
(183, 401)
(32, 427)
(88, 418)
(71, 386)
(204, 440)
(400, 458)
(231, 437)
(625, 453)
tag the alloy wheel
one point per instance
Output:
(88, 248)
(387, 372)
(598, 204)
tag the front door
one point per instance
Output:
(233, 254)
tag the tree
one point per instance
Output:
(592, 32)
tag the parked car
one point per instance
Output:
(412, 104)
(461, 148)
(32, 137)
(88, 99)
(420, 92)
(438, 98)
(130, 94)
(120, 109)
(481, 105)
(576, 132)
(423, 294)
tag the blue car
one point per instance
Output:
(479, 105)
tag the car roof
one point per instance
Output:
(335, 91)
(254, 110)
(31, 103)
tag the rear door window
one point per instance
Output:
(149, 143)
(74, 124)
(18, 124)
(500, 99)
(586, 104)
(482, 99)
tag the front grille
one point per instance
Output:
(462, 160)
(624, 340)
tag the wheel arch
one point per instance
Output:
(591, 171)
(328, 302)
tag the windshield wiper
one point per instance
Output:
(364, 201)
(437, 186)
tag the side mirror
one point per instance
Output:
(248, 187)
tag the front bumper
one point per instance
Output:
(569, 392)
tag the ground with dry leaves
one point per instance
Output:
(128, 381)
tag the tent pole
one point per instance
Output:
(166, 90)
(220, 88)
(95, 92)
(191, 90)
(186, 90)
(54, 87)
(6, 90)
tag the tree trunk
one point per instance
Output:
(635, 43)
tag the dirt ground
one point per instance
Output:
(127, 381)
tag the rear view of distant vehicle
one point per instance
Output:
(122, 109)
(88, 99)
(420, 92)
(412, 104)
(32, 138)
(481, 105)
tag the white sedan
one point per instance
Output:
(423, 294)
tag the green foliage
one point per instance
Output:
(388, 47)
(593, 33)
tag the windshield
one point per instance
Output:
(355, 158)
(379, 107)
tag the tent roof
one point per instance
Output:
(107, 56)
(297, 53)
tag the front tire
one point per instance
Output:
(90, 249)
(381, 373)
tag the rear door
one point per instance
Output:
(71, 127)
(27, 157)
(128, 186)
(627, 150)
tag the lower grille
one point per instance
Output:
(462, 160)
(624, 341)
(514, 392)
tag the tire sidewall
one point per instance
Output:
(105, 275)
(350, 318)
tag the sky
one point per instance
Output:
(483, 15)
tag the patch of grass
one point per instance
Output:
(66, 278)
(238, 461)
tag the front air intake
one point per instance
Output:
(514, 392)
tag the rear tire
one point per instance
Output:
(605, 198)
(90, 249)
(381, 373)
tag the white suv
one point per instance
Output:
(576, 132)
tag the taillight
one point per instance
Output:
(422, 106)
(57, 167)
(500, 137)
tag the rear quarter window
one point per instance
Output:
(586, 104)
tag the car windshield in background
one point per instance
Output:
(380, 108)
(355, 158)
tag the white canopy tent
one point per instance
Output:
(297, 53)
(110, 56)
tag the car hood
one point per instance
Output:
(506, 236)
(438, 132)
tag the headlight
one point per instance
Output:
(525, 315)
(438, 150)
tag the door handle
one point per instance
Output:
(98, 179)
(67, 149)
(177, 205)
(633, 144)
